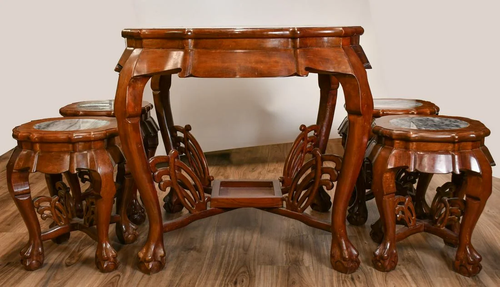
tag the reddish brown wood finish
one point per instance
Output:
(459, 151)
(334, 53)
(234, 194)
(426, 108)
(90, 153)
(149, 130)
(358, 212)
(148, 125)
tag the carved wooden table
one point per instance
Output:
(333, 53)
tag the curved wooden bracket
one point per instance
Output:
(182, 179)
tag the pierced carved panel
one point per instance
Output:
(195, 158)
(303, 145)
(405, 211)
(60, 208)
(446, 208)
(182, 179)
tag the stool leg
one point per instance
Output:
(478, 188)
(132, 208)
(103, 184)
(18, 184)
(51, 180)
(385, 257)
(422, 209)
(358, 212)
(125, 230)
(76, 191)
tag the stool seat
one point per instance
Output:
(96, 108)
(76, 129)
(428, 144)
(82, 149)
(394, 106)
(430, 128)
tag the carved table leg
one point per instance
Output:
(18, 184)
(359, 106)
(328, 98)
(125, 230)
(385, 258)
(128, 102)
(104, 185)
(478, 188)
(161, 95)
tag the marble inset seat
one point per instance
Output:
(106, 108)
(428, 145)
(81, 148)
(357, 211)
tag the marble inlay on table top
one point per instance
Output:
(70, 125)
(395, 104)
(97, 105)
(428, 123)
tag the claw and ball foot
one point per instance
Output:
(105, 258)
(385, 258)
(152, 258)
(468, 263)
(32, 255)
(343, 256)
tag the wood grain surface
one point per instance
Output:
(246, 247)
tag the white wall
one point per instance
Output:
(57, 52)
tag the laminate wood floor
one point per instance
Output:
(246, 247)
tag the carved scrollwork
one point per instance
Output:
(303, 145)
(182, 179)
(302, 177)
(313, 174)
(405, 211)
(60, 207)
(446, 208)
(187, 145)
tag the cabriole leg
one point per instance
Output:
(18, 184)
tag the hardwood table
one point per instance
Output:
(333, 53)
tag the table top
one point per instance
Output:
(244, 52)
(234, 33)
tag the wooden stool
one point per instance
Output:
(357, 211)
(430, 144)
(83, 147)
(149, 130)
